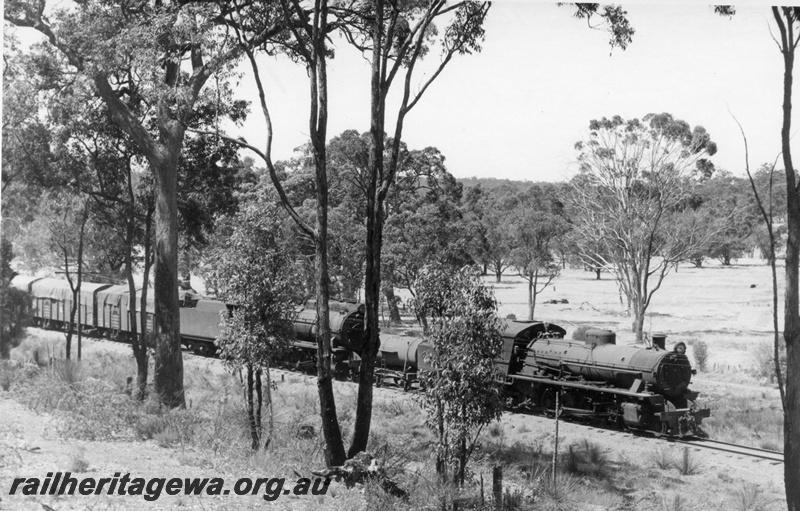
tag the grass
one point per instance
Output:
(686, 464)
(745, 418)
(663, 458)
(751, 497)
(90, 403)
(673, 502)
(587, 458)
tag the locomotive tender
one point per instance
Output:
(637, 388)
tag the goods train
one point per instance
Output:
(638, 388)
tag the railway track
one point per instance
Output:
(740, 451)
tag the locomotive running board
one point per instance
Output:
(607, 390)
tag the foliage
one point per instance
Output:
(462, 395)
(136, 60)
(535, 223)
(487, 230)
(700, 350)
(257, 278)
(13, 302)
(629, 202)
(764, 360)
(425, 225)
(687, 465)
(750, 497)
(730, 217)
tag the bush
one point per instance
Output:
(764, 360)
(586, 458)
(663, 458)
(12, 315)
(686, 465)
(751, 498)
(579, 333)
(700, 355)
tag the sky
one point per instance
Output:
(516, 109)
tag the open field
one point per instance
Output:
(715, 304)
(55, 419)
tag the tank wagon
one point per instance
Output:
(636, 388)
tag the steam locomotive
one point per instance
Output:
(636, 388)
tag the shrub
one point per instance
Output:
(686, 465)
(663, 459)
(764, 360)
(70, 372)
(586, 458)
(78, 462)
(676, 503)
(700, 355)
(750, 498)
(580, 333)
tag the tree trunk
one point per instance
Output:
(597, 271)
(271, 418)
(372, 277)
(791, 431)
(462, 451)
(70, 326)
(162, 154)
(530, 298)
(146, 337)
(138, 343)
(371, 343)
(791, 330)
(79, 269)
(391, 302)
(168, 372)
(255, 440)
(638, 322)
(259, 402)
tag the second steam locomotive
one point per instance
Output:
(636, 388)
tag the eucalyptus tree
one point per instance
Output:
(424, 221)
(397, 36)
(629, 201)
(787, 37)
(150, 63)
(462, 395)
(535, 223)
(253, 272)
(731, 216)
(13, 302)
(488, 231)
(305, 40)
(63, 138)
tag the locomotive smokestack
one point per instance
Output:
(660, 340)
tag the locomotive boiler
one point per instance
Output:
(637, 387)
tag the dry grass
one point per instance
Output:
(686, 464)
(746, 418)
(90, 402)
(751, 498)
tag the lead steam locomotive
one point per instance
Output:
(637, 388)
